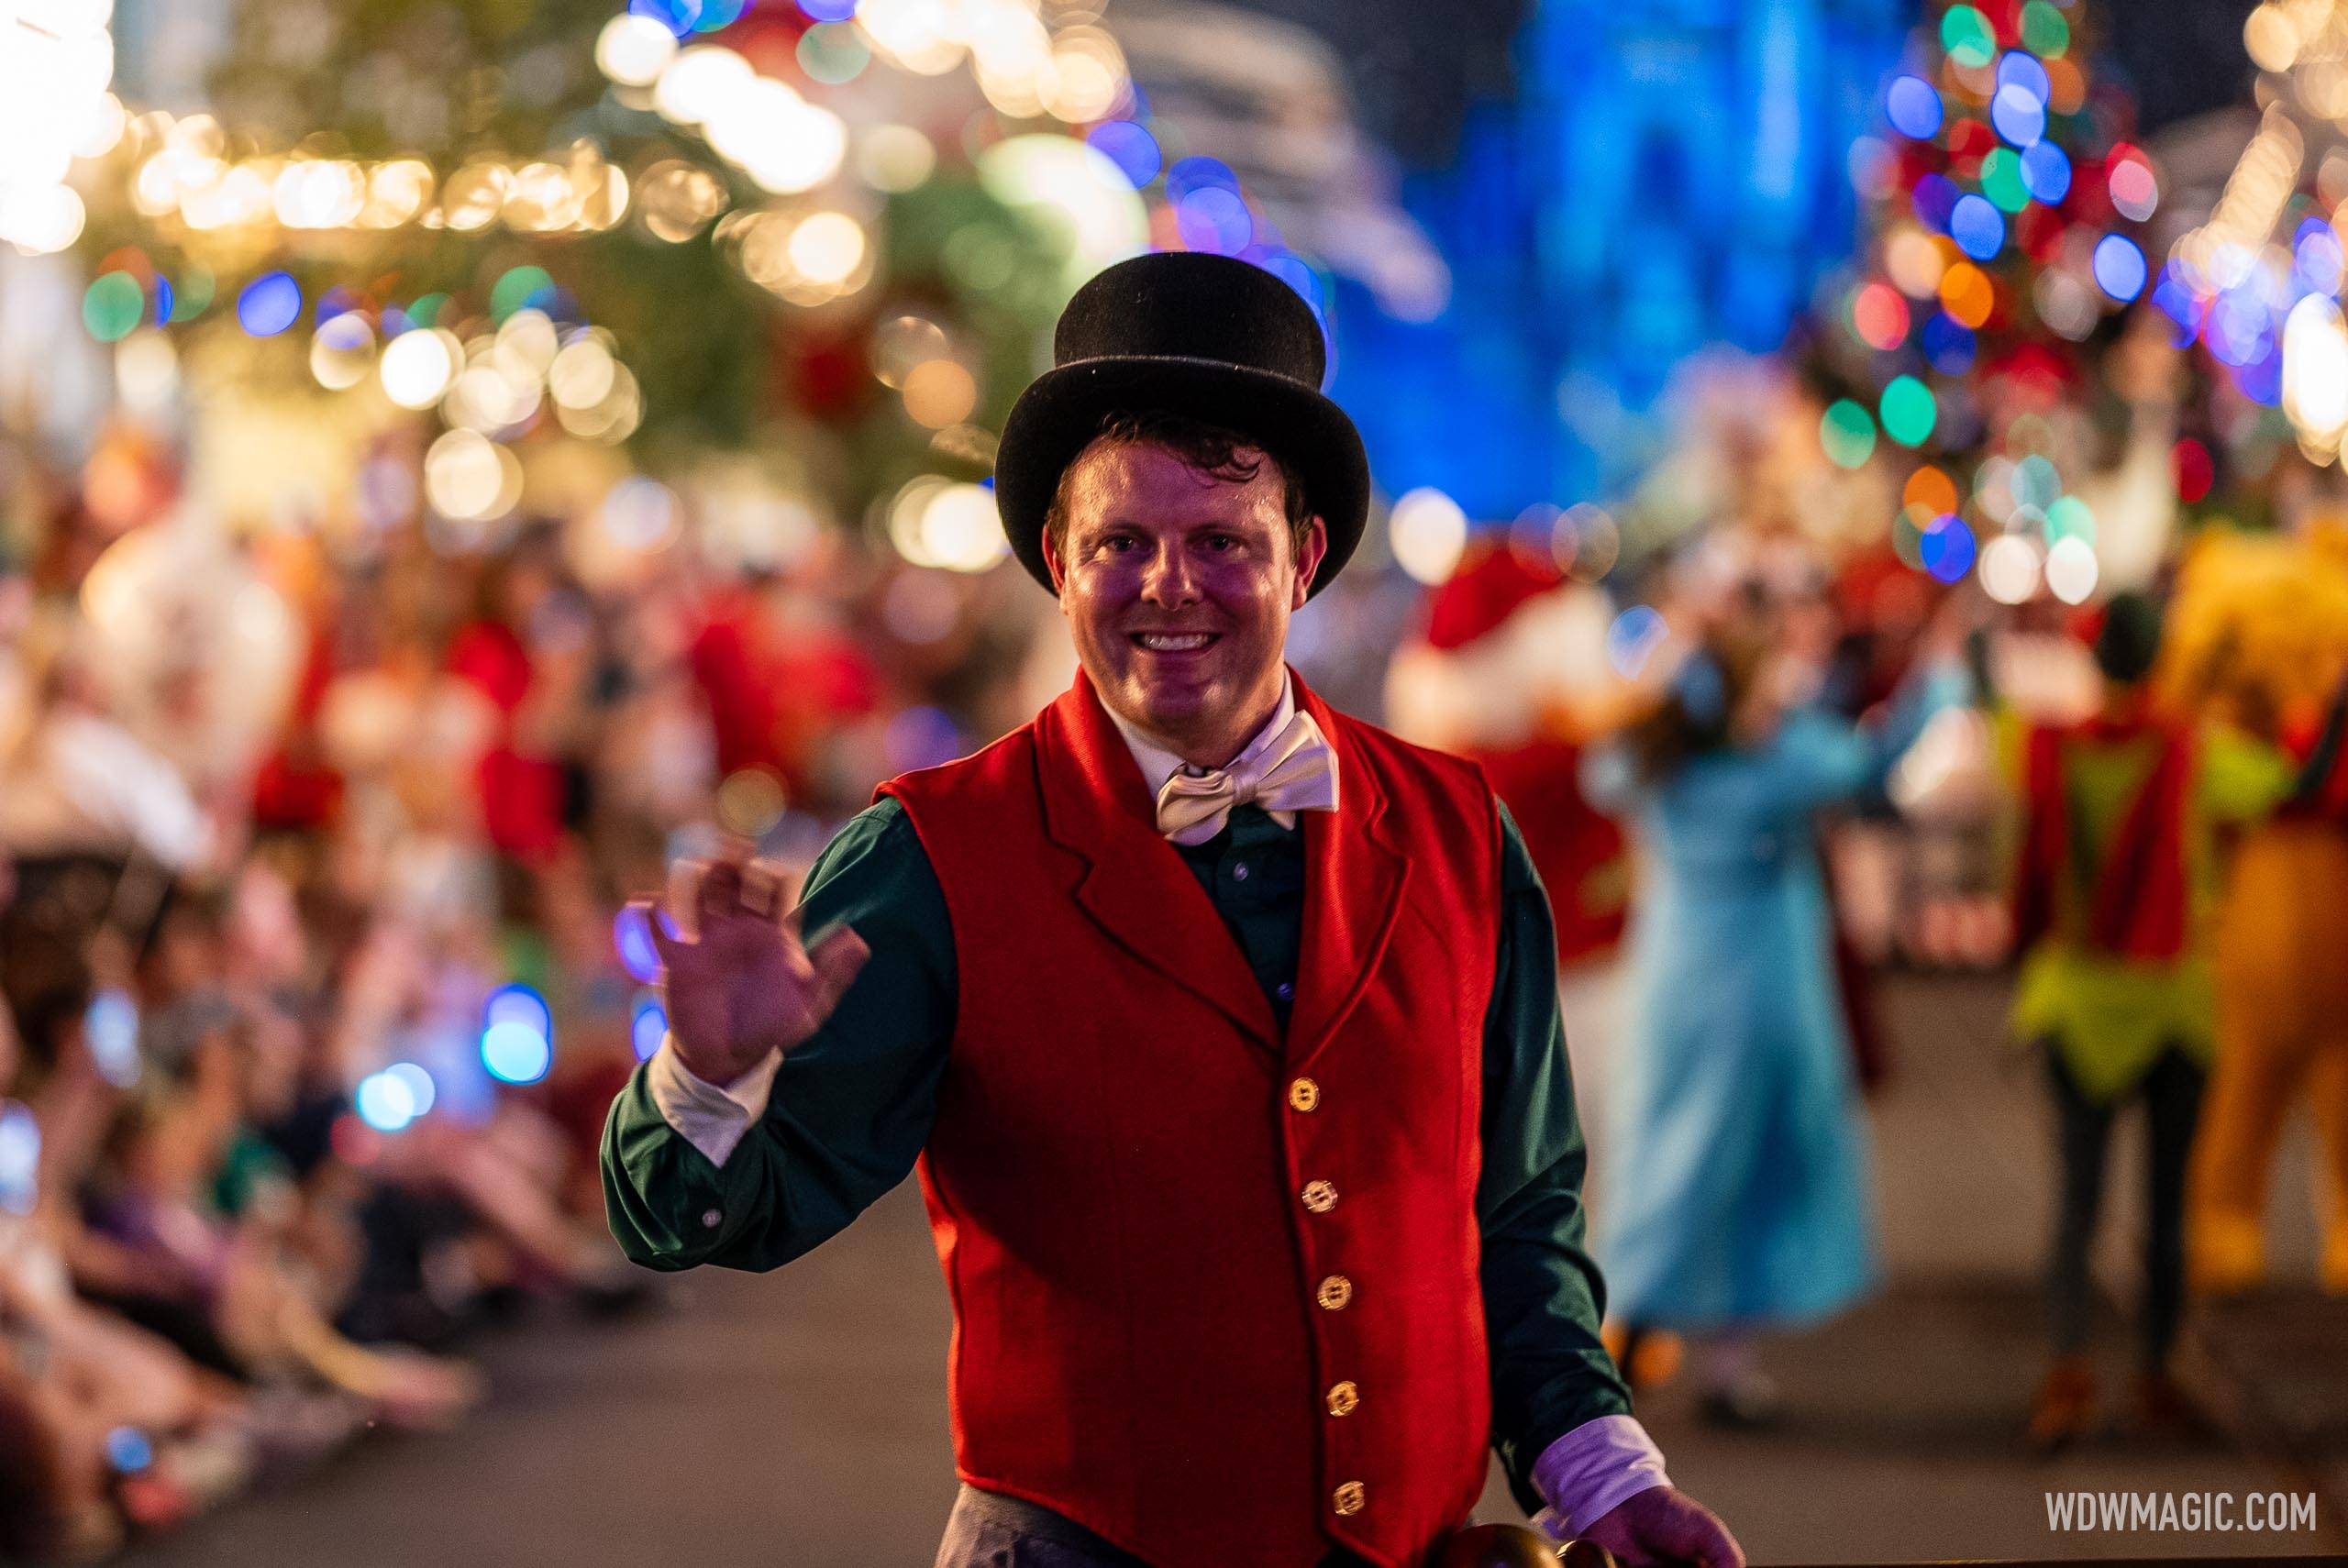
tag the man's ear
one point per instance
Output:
(1309, 555)
(1052, 562)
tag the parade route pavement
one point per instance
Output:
(797, 1419)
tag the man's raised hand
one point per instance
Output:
(741, 982)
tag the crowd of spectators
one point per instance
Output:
(311, 1022)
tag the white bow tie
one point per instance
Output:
(1294, 771)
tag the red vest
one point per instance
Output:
(1215, 1290)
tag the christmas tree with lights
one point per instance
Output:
(1982, 344)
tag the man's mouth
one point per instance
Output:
(1175, 642)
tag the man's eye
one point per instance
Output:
(1222, 541)
(1117, 544)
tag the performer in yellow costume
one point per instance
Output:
(2262, 637)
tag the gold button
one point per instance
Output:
(1349, 1498)
(1303, 1095)
(1335, 1292)
(1343, 1397)
(1320, 1197)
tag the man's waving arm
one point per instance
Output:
(1561, 1416)
(800, 1077)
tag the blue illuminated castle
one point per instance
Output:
(1672, 173)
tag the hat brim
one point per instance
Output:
(1058, 416)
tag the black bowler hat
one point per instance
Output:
(1205, 337)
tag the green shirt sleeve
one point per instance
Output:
(1543, 1296)
(851, 1106)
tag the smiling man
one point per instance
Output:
(1221, 1027)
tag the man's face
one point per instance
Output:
(1178, 587)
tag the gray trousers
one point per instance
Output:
(990, 1530)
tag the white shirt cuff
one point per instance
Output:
(712, 1117)
(1589, 1472)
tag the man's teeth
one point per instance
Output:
(1161, 641)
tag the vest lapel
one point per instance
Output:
(1353, 892)
(1135, 885)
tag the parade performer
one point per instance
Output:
(2262, 636)
(1736, 1192)
(1220, 1026)
(2113, 895)
(1509, 671)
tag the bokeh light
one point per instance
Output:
(385, 1103)
(2118, 267)
(268, 304)
(1847, 432)
(514, 1053)
(1428, 531)
(1130, 147)
(2071, 570)
(1910, 411)
(416, 367)
(2019, 114)
(1977, 225)
(632, 940)
(2047, 171)
(648, 1027)
(1946, 549)
(112, 305)
(2009, 568)
(1968, 36)
(1879, 317)
(1913, 106)
(1632, 639)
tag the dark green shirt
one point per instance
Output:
(852, 1107)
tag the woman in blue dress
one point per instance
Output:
(1735, 1193)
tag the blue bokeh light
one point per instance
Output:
(1215, 219)
(677, 15)
(271, 304)
(384, 1102)
(110, 1029)
(2260, 381)
(1934, 199)
(829, 10)
(1948, 343)
(2019, 68)
(162, 300)
(1632, 640)
(1947, 549)
(649, 1027)
(514, 1053)
(2046, 173)
(129, 1450)
(2018, 115)
(1199, 173)
(421, 1091)
(2118, 267)
(517, 1004)
(1978, 228)
(632, 937)
(1130, 147)
(19, 1158)
(1913, 107)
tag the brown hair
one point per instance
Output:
(1210, 448)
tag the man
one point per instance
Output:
(1222, 1027)
(2114, 892)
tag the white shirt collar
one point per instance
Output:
(1157, 763)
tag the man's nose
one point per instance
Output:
(1169, 578)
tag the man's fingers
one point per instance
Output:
(720, 892)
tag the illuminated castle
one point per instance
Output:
(1673, 173)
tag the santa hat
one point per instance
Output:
(1492, 583)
